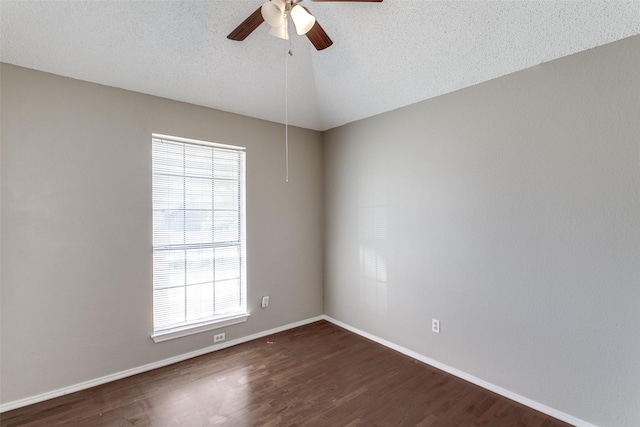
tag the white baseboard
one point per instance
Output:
(453, 371)
(129, 372)
(467, 377)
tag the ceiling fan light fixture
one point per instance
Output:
(280, 32)
(273, 12)
(302, 19)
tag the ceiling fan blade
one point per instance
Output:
(363, 1)
(248, 25)
(318, 37)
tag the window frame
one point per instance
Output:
(215, 322)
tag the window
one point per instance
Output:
(199, 263)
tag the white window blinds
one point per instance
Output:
(198, 234)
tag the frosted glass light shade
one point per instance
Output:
(273, 12)
(281, 31)
(302, 19)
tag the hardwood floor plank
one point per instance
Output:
(315, 375)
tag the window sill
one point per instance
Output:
(200, 327)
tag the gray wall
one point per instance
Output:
(511, 212)
(76, 227)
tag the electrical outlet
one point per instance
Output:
(218, 338)
(435, 326)
(265, 301)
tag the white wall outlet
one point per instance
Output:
(218, 337)
(265, 301)
(435, 326)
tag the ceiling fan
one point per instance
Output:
(275, 12)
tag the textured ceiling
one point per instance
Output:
(385, 55)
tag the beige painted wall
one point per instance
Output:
(510, 211)
(76, 227)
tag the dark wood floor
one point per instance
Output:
(315, 375)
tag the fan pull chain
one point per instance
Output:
(286, 117)
(288, 53)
